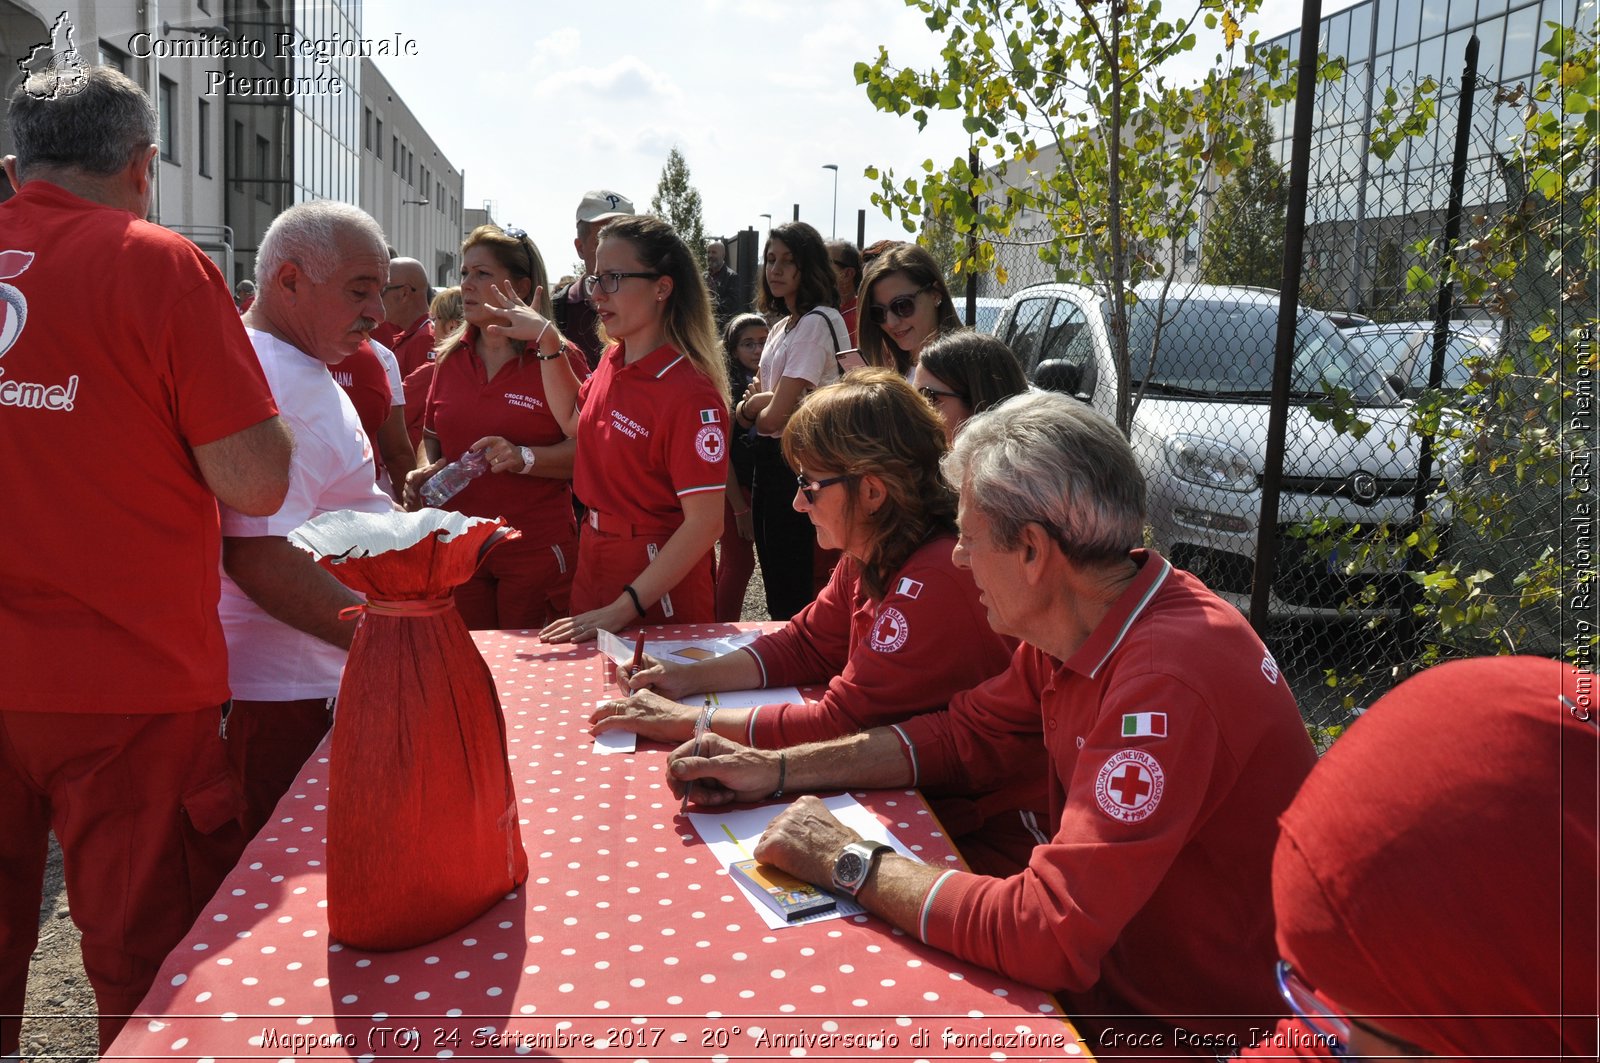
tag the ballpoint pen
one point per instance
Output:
(700, 726)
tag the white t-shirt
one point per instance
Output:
(331, 469)
(806, 353)
(391, 369)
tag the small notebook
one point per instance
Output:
(782, 892)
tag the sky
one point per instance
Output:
(539, 102)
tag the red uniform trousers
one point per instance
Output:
(521, 584)
(268, 743)
(607, 563)
(147, 814)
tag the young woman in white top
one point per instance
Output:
(797, 280)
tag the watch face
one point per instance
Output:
(849, 868)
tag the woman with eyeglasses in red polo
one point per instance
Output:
(488, 396)
(905, 305)
(652, 431)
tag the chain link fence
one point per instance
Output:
(1434, 492)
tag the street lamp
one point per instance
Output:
(769, 220)
(835, 168)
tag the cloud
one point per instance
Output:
(624, 80)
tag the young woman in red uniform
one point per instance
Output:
(652, 432)
(488, 395)
(897, 630)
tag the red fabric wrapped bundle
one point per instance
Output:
(422, 822)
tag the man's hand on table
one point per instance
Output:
(648, 715)
(805, 839)
(724, 773)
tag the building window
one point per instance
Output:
(377, 140)
(169, 119)
(238, 156)
(263, 161)
(366, 128)
(394, 153)
(111, 55)
(203, 148)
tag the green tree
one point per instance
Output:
(1243, 242)
(1075, 124)
(678, 202)
(938, 235)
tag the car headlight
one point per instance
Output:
(1210, 464)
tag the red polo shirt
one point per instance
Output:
(414, 346)
(109, 569)
(649, 434)
(464, 405)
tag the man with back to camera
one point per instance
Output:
(319, 273)
(1173, 742)
(122, 428)
(574, 314)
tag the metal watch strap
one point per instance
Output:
(862, 855)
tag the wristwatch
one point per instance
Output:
(527, 460)
(855, 864)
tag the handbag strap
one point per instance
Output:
(831, 331)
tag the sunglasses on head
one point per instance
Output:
(521, 237)
(901, 306)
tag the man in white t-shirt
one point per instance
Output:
(319, 273)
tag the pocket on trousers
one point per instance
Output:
(213, 834)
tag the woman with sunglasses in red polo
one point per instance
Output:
(488, 397)
(905, 305)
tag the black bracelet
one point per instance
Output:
(783, 771)
(635, 596)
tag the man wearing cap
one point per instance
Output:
(1169, 739)
(574, 313)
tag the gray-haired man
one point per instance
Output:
(1172, 740)
(130, 403)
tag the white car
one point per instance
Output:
(1403, 351)
(1200, 432)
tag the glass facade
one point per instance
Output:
(327, 131)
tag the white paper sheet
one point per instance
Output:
(733, 836)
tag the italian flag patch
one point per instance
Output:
(709, 417)
(1144, 725)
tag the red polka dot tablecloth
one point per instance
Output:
(628, 941)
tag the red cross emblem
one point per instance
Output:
(1129, 785)
(708, 443)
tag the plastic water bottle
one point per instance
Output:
(448, 481)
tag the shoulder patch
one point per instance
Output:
(890, 631)
(709, 417)
(1269, 668)
(710, 444)
(1144, 725)
(1129, 785)
(908, 587)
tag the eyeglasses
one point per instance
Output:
(809, 488)
(610, 282)
(901, 306)
(387, 288)
(1329, 1026)
(753, 343)
(933, 395)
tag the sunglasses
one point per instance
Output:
(933, 395)
(810, 488)
(901, 306)
(521, 237)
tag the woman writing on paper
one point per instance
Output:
(652, 431)
(897, 630)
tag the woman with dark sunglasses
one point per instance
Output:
(797, 281)
(488, 396)
(905, 305)
(963, 373)
(897, 630)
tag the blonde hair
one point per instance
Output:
(687, 321)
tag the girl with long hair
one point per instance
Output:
(798, 282)
(905, 304)
(652, 432)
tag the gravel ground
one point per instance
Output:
(60, 1026)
